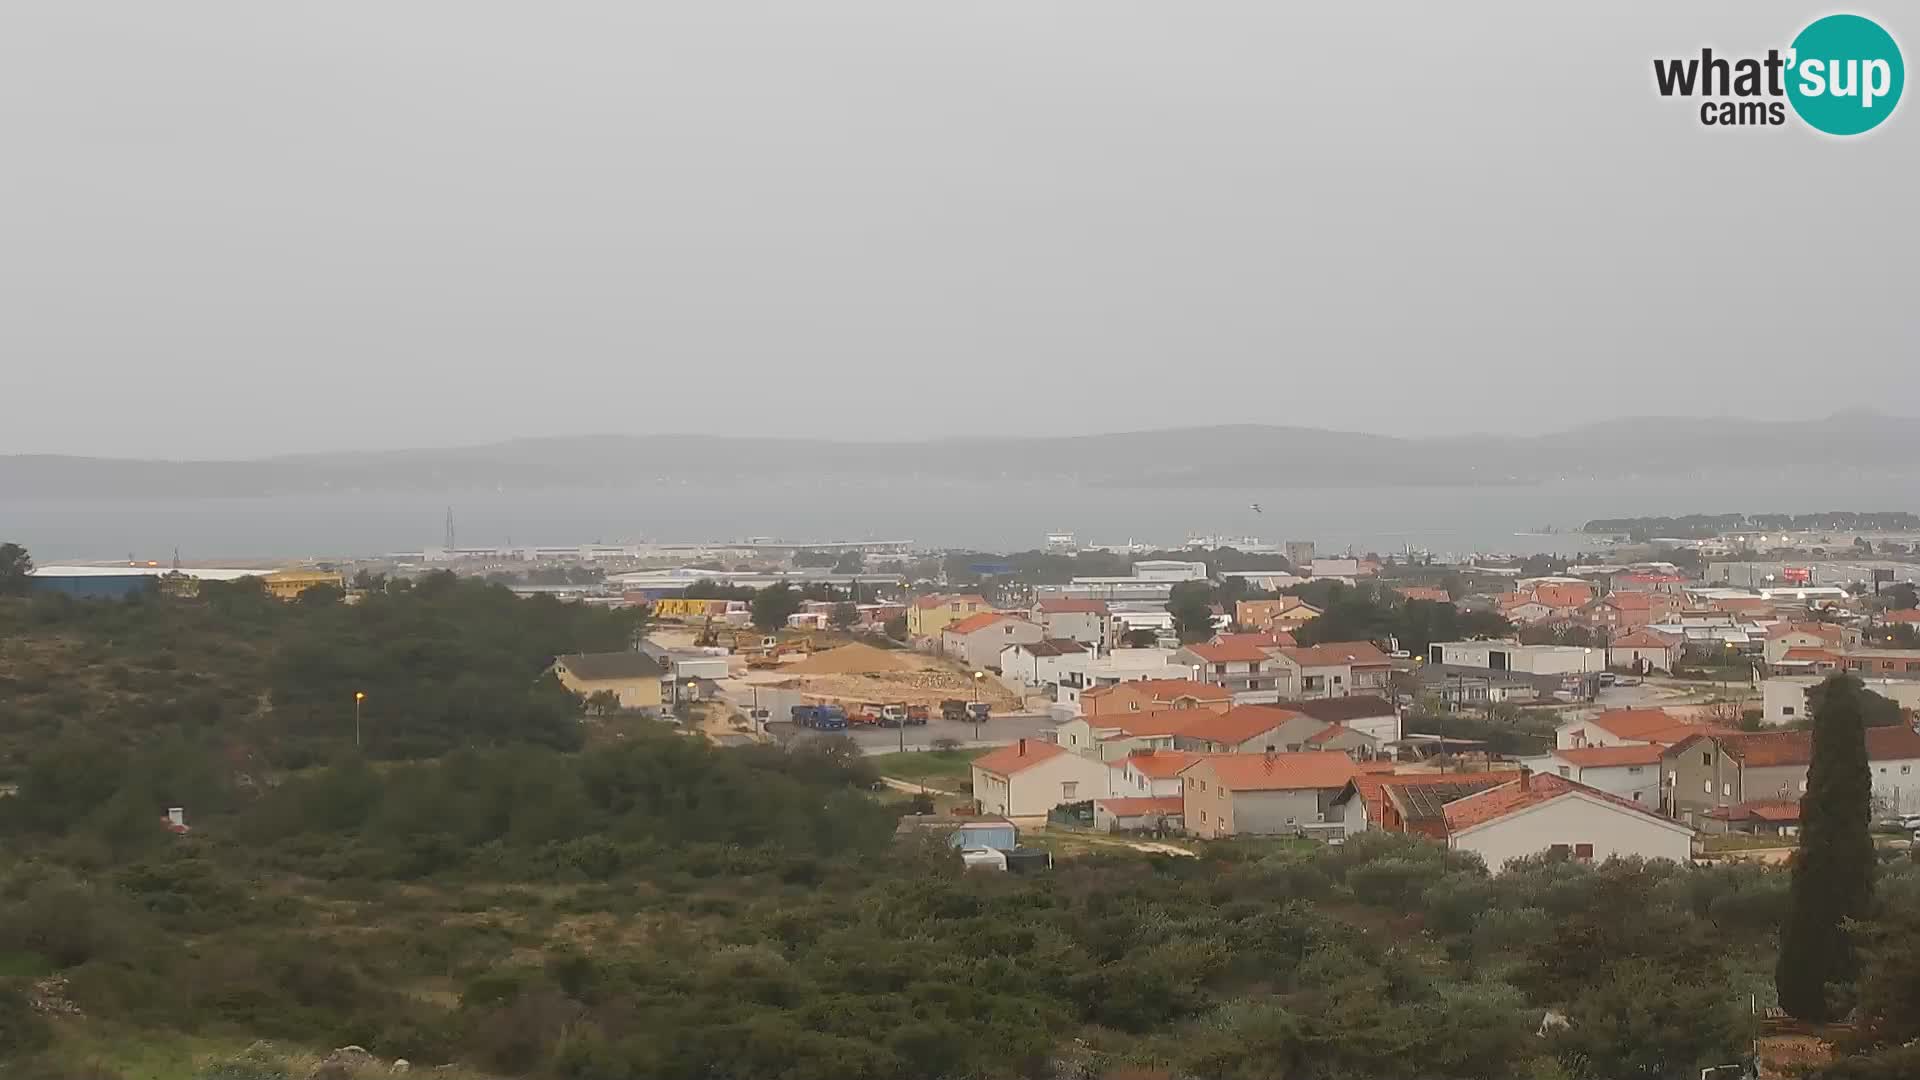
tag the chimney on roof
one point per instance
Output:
(1526, 778)
(1023, 748)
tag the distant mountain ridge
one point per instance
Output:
(1232, 456)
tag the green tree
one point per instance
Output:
(15, 566)
(1833, 872)
(843, 615)
(896, 628)
(1140, 638)
(603, 703)
(1900, 595)
(1192, 608)
(773, 604)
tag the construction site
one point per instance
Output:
(857, 672)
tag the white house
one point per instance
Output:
(1240, 665)
(1644, 650)
(1531, 814)
(1513, 656)
(1149, 772)
(1783, 698)
(1121, 666)
(1111, 738)
(1334, 669)
(976, 640)
(1032, 777)
(1631, 772)
(1042, 663)
(1084, 621)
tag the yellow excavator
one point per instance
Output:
(771, 657)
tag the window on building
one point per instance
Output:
(1220, 793)
(1558, 849)
(1905, 770)
(1583, 852)
(1803, 785)
(1706, 786)
(1069, 790)
(1706, 757)
(1203, 815)
(1786, 710)
(1566, 772)
(1635, 770)
(1726, 788)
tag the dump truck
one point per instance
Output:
(893, 716)
(917, 715)
(953, 709)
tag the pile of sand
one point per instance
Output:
(854, 659)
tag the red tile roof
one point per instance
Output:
(1562, 596)
(1024, 754)
(1904, 615)
(1166, 689)
(1778, 811)
(1634, 723)
(1896, 743)
(1810, 655)
(1237, 724)
(1149, 722)
(1335, 653)
(1824, 631)
(1527, 791)
(1070, 607)
(1327, 734)
(1142, 806)
(979, 622)
(1278, 772)
(1371, 786)
(1424, 592)
(1160, 764)
(1228, 652)
(1600, 757)
(1630, 601)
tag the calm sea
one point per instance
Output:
(999, 518)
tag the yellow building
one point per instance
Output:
(633, 677)
(928, 615)
(289, 584)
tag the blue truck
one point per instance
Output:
(820, 717)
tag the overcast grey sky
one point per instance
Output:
(243, 229)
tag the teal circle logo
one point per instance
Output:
(1845, 74)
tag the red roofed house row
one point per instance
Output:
(1263, 794)
(1031, 777)
(1626, 727)
(1709, 772)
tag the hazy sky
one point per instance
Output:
(243, 228)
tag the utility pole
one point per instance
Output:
(358, 697)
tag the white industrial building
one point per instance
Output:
(1513, 656)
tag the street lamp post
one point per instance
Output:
(978, 678)
(358, 697)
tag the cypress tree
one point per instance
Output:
(1833, 871)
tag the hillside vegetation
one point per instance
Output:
(471, 889)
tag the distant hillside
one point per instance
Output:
(1229, 456)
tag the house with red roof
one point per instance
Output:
(1084, 621)
(1531, 814)
(1424, 592)
(1409, 803)
(930, 614)
(1335, 669)
(1801, 660)
(1714, 771)
(977, 640)
(1806, 635)
(1245, 729)
(1242, 666)
(1621, 612)
(1262, 794)
(1626, 727)
(1902, 617)
(1136, 814)
(1148, 695)
(1113, 737)
(1282, 613)
(1645, 650)
(1031, 777)
(1631, 771)
(1042, 664)
(1760, 817)
(1149, 772)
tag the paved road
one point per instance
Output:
(998, 731)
